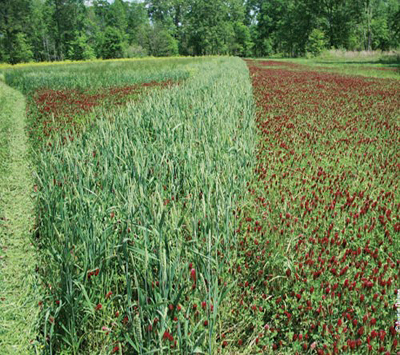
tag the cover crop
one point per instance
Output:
(135, 218)
(176, 224)
(63, 98)
(319, 252)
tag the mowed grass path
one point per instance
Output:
(18, 296)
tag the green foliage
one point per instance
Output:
(22, 50)
(80, 49)
(316, 42)
(243, 43)
(112, 43)
(394, 24)
(151, 192)
(381, 38)
(5, 129)
(374, 64)
(135, 52)
(267, 48)
(41, 36)
(60, 29)
(14, 43)
(97, 75)
(161, 43)
(19, 289)
(293, 251)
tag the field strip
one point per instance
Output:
(18, 304)
(319, 240)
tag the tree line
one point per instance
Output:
(48, 30)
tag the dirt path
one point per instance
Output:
(18, 294)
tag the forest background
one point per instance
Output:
(53, 30)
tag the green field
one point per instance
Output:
(186, 206)
(132, 201)
(373, 64)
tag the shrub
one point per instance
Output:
(316, 42)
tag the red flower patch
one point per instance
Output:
(324, 211)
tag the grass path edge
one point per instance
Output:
(18, 290)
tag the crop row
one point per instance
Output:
(319, 259)
(98, 74)
(135, 219)
(55, 114)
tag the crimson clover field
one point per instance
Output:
(214, 206)
(319, 245)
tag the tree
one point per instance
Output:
(40, 36)
(336, 18)
(316, 42)
(67, 21)
(137, 23)
(14, 41)
(394, 26)
(117, 18)
(22, 50)
(215, 27)
(243, 43)
(101, 10)
(80, 49)
(161, 43)
(172, 16)
(79, 29)
(111, 43)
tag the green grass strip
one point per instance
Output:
(136, 218)
(375, 68)
(18, 295)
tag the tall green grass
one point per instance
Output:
(8, 97)
(6, 101)
(142, 206)
(377, 66)
(5, 125)
(97, 74)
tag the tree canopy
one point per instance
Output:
(77, 29)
